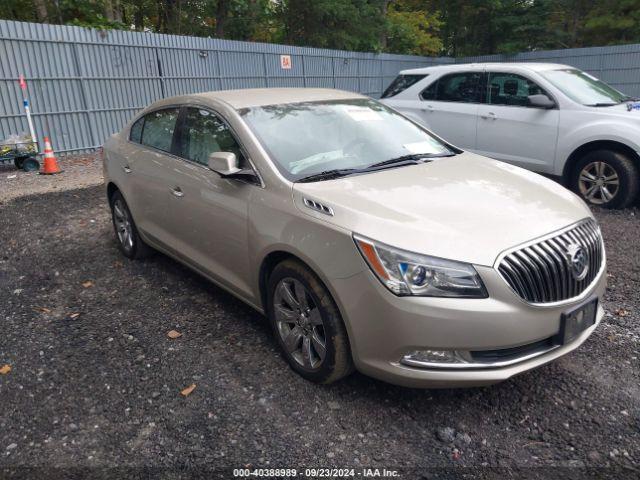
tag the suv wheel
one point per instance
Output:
(129, 241)
(606, 179)
(307, 324)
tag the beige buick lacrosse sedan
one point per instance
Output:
(367, 241)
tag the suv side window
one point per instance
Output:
(462, 87)
(158, 128)
(202, 132)
(511, 89)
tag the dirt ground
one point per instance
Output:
(95, 382)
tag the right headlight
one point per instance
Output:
(407, 273)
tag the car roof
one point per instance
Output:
(256, 97)
(532, 66)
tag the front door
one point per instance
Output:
(510, 129)
(208, 214)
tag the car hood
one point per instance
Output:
(467, 208)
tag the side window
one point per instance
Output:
(203, 133)
(429, 93)
(135, 135)
(511, 89)
(401, 83)
(158, 128)
(462, 87)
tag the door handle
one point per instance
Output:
(127, 169)
(428, 108)
(489, 116)
(177, 191)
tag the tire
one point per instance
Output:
(311, 330)
(590, 175)
(30, 165)
(126, 232)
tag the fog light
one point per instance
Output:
(434, 358)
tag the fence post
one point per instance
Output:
(83, 94)
(304, 74)
(264, 67)
(159, 64)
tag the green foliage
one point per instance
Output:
(421, 27)
(411, 30)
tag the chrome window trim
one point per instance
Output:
(587, 290)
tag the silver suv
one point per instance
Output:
(549, 118)
(368, 242)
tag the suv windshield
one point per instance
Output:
(584, 88)
(304, 139)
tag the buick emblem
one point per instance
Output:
(578, 261)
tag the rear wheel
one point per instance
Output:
(606, 179)
(129, 241)
(307, 324)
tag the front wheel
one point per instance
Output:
(307, 324)
(606, 179)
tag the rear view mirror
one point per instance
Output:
(224, 163)
(541, 101)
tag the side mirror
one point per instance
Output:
(541, 101)
(224, 163)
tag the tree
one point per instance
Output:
(340, 24)
(412, 29)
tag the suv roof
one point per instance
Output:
(536, 67)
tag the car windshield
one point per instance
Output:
(304, 139)
(584, 88)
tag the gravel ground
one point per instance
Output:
(78, 171)
(95, 381)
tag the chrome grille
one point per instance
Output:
(541, 272)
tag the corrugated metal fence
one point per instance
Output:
(84, 84)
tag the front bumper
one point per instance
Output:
(383, 328)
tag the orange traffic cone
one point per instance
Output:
(50, 162)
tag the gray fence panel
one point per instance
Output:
(85, 84)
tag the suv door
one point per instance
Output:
(207, 214)
(147, 167)
(510, 129)
(449, 107)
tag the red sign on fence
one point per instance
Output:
(285, 62)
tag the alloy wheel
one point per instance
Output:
(299, 323)
(599, 182)
(122, 222)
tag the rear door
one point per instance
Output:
(510, 129)
(449, 107)
(147, 169)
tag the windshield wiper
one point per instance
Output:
(412, 159)
(408, 159)
(628, 98)
(328, 175)
(602, 104)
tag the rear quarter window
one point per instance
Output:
(401, 83)
(135, 135)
